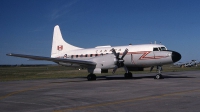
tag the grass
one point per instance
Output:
(53, 72)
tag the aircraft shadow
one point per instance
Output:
(101, 78)
(137, 77)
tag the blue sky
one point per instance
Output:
(26, 26)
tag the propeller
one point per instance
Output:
(120, 61)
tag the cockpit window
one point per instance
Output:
(159, 49)
(155, 49)
(163, 49)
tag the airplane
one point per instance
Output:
(178, 64)
(102, 58)
(188, 64)
(192, 63)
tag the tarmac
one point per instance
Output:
(178, 91)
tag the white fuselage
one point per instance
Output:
(143, 55)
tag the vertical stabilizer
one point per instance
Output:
(59, 46)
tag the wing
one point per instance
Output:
(57, 60)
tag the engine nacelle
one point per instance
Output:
(107, 61)
(97, 70)
(135, 68)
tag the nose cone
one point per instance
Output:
(176, 56)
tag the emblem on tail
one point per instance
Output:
(60, 47)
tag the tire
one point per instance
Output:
(128, 75)
(158, 76)
(94, 77)
(91, 77)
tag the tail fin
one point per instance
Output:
(59, 46)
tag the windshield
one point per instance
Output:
(163, 49)
(159, 49)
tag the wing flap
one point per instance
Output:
(79, 62)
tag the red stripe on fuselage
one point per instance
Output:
(143, 57)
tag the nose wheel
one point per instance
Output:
(158, 76)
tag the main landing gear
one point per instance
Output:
(91, 77)
(128, 75)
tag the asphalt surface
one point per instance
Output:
(177, 92)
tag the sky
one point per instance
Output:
(26, 26)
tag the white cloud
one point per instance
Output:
(62, 9)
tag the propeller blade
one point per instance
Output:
(114, 52)
(117, 56)
(124, 53)
(114, 69)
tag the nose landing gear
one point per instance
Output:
(159, 75)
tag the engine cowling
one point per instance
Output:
(135, 68)
(107, 61)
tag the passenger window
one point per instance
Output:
(96, 55)
(90, 55)
(72, 56)
(76, 56)
(155, 49)
(86, 55)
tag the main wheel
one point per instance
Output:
(94, 77)
(128, 75)
(91, 77)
